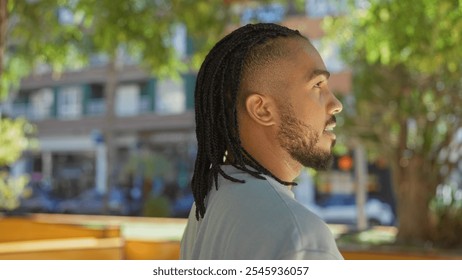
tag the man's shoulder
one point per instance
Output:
(262, 201)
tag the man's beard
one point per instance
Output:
(300, 139)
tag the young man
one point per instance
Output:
(263, 111)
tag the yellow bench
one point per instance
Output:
(86, 248)
(22, 238)
(22, 229)
(151, 250)
(145, 238)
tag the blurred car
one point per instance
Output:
(37, 199)
(341, 209)
(92, 202)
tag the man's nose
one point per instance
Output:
(335, 106)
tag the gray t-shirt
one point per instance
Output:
(259, 219)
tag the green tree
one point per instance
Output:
(406, 59)
(13, 134)
(13, 140)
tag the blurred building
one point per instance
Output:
(152, 118)
(69, 112)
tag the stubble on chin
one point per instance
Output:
(300, 140)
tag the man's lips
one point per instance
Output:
(330, 127)
(330, 124)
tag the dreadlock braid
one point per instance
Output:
(215, 98)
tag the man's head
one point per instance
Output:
(306, 108)
(261, 98)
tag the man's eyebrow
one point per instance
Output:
(319, 72)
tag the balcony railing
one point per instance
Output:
(145, 104)
(31, 112)
(96, 107)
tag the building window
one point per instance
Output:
(323, 8)
(266, 13)
(97, 91)
(70, 102)
(96, 105)
(20, 106)
(170, 97)
(127, 100)
(41, 104)
(147, 95)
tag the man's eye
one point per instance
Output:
(318, 85)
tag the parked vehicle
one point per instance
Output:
(92, 202)
(342, 209)
(38, 199)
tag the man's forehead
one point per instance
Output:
(308, 57)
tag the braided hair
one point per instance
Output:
(216, 99)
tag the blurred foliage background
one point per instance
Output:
(407, 106)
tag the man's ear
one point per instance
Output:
(261, 109)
